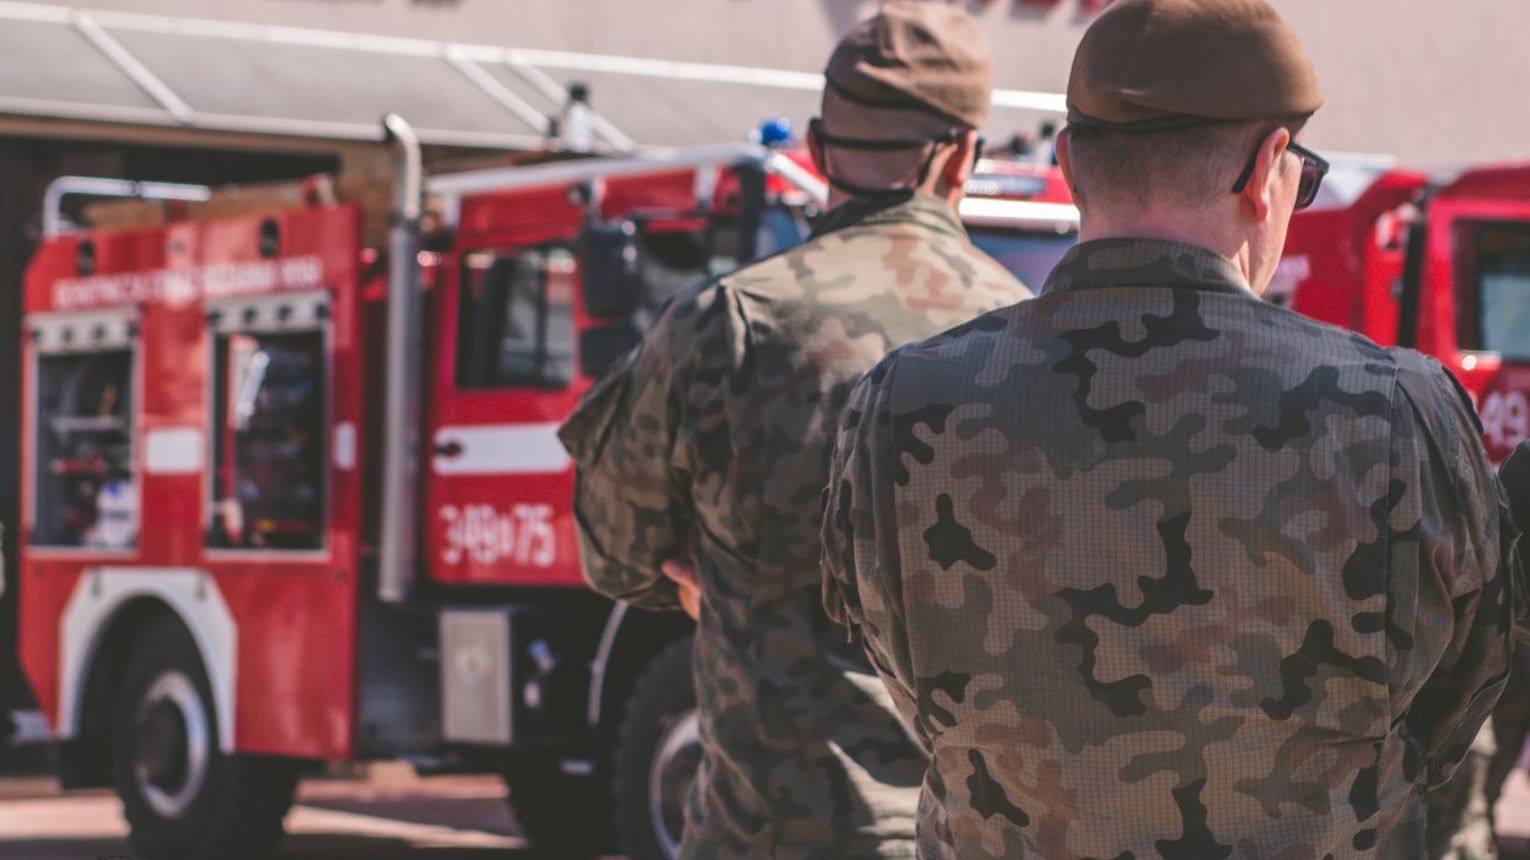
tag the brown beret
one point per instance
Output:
(916, 55)
(1146, 64)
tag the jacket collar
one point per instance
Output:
(1145, 263)
(901, 207)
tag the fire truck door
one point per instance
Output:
(1474, 311)
(498, 484)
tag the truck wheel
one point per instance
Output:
(182, 796)
(657, 756)
(554, 808)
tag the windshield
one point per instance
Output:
(1029, 255)
(1501, 315)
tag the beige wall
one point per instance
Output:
(1435, 82)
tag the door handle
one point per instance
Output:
(450, 449)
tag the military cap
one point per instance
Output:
(1155, 64)
(919, 55)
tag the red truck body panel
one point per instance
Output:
(1346, 265)
(295, 668)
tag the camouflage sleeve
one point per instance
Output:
(861, 567)
(1450, 611)
(632, 500)
(1515, 477)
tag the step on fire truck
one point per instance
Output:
(291, 499)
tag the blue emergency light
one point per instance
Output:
(774, 133)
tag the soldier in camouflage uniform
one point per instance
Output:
(1459, 813)
(714, 438)
(1462, 823)
(1155, 568)
(1509, 727)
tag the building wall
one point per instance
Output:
(1431, 82)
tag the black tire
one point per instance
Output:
(229, 807)
(656, 755)
(559, 813)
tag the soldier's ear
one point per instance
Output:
(1064, 152)
(1267, 186)
(815, 150)
(963, 161)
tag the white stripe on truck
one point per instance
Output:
(499, 449)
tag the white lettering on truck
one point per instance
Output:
(1505, 418)
(216, 280)
(483, 534)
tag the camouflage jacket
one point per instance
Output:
(715, 436)
(1161, 570)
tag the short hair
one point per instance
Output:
(1183, 166)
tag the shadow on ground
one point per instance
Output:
(321, 847)
(316, 847)
(299, 847)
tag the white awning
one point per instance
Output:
(117, 67)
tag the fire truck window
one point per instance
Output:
(1028, 255)
(669, 261)
(1503, 291)
(268, 485)
(781, 227)
(85, 491)
(515, 324)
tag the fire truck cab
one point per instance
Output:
(1440, 265)
(293, 497)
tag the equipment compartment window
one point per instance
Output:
(668, 262)
(268, 482)
(515, 322)
(1500, 257)
(85, 482)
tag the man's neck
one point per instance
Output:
(838, 198)
(1171, 227)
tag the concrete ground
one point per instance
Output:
(391, 815)
(1514, 818)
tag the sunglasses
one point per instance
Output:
(1314, 168)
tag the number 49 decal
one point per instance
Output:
(1505, 419)
(483, 534)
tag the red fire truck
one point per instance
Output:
(290, 499)
(1439, 265)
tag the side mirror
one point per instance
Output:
(600, 348)
(608, 260)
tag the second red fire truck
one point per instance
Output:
(1438, 264)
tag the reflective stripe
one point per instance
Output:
(499, 449)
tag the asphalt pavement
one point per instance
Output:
(388, 815)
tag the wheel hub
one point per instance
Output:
(173, 733)
(162, 745)
(676, 760)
